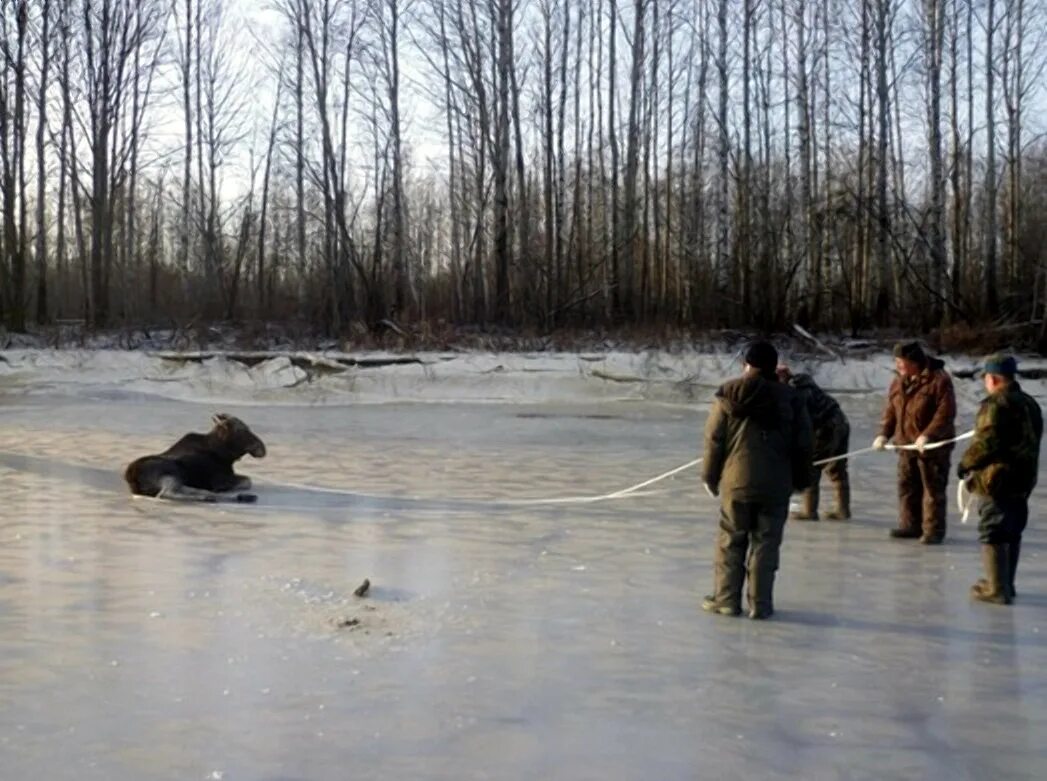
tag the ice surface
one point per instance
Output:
(151, 640)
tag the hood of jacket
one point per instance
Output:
(750, 398)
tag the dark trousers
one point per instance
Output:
(833, 441)
(749, 539)
(1001, 520)
(922, 483)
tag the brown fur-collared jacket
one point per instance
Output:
(923, 403)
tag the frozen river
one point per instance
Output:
(145, 640)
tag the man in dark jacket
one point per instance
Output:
(832, 433)
(920, 410)
(1000, 468)
(757, 451)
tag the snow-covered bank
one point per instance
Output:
(335, 378)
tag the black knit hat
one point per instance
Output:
(910, 351)
(762, 356)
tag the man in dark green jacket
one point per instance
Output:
(832, 434)
(1000, 468)
(757, 452)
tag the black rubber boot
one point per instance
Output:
(905, 534)
(761, 588)
(1014, 549)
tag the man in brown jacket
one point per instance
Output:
(757, 451)
(920, 410)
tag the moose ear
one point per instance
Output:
(219, 418)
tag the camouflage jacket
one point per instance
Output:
(1004, 456)
(757, 441)
(823, 409)
(922, 404)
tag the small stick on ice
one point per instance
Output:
(361, 590)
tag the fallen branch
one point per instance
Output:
(614, 377)
(807, 335)
(301, 360)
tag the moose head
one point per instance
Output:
(235, 434)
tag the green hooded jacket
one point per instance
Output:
(757, 441)
(1004, 456)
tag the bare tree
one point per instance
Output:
(723, 270)
(261, 288)
(389, 36)
(502, 12)
(881, 42)
(629, 237)
(44, 48)
(934, 40)
(956, 157)
(112, 31)
(989, 238)
(13, 135)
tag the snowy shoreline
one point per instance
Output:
(298, 377)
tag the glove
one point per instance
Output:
(962, 471)
(713, 492)
(880, 443)
(921, 443)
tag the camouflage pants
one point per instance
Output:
(922, 484)
(750, 536)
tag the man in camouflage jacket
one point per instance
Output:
(832, 433)
(1000, 468)
(757, 451)
(920, 410)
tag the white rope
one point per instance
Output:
(631, 491)
(928, 446)
(634, 489)
(964, 500)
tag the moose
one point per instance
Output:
(199, 467)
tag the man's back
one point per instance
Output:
(757, 441)
(1032, 435)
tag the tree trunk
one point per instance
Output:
(992, 301)
(934, 11)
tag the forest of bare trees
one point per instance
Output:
(845, 164)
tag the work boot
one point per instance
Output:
(843, 503)
(902, 533)
(995, 587)
(808, 506)
(711, 605)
